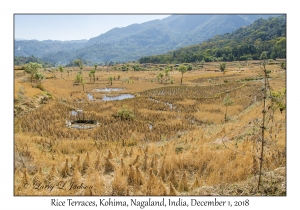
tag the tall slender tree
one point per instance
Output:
(61, 69)
(227, 102)
(110, 78)
(79, 78)
(79, 63)
(167, 75)
(182, 69)
(160, 76)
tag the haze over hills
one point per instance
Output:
(137, 40)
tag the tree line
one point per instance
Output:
(22, 60)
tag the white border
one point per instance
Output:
(8, 8)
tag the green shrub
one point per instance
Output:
(222, 66)
(126, 114)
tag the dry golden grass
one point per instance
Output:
(187, 147)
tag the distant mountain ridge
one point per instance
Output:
(137, 40)
(40, 49)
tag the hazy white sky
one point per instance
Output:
(72, 27)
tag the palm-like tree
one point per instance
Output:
(182, 69)
(79, 63)
(92, 74)
(167, 74)
(110, 78)
(79, 78)
(160, 76)
(61, 69)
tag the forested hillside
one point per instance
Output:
(21, 60)
(265, 37)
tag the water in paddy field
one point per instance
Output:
(167, 104)
(107, 89)
(76, 112)
(170, 105)
(90, 96)
(110, 98)
(117, 98)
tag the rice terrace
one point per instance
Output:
(153, 126)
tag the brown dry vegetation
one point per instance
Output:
(177, 144)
